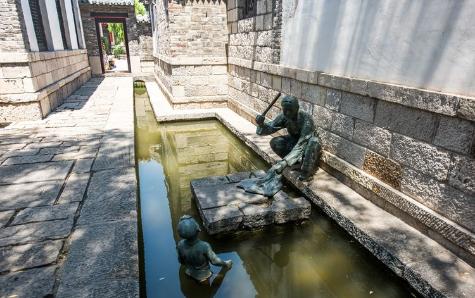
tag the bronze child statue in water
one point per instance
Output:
(301, 144)
(195, 254)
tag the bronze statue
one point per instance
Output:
(302, 144)
(195, 254)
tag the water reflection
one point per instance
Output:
(312, 259)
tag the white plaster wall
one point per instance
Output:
(53, 22)
(72, 28)
(30, 30)
(421, 43)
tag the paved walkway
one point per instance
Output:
(68, 224)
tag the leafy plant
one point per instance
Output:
(118, 50)
(118, 30)
(105, 45)
(139, 8)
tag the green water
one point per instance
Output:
(313, 259)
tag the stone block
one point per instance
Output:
(222, 219)
(343, 148)
(359, 86)
(113, 269)
(83, 165)
(440, 197)
(333, 99)
(406, 121)
(23, 195)
(111, 196)
(296, 88)
(246, 25)
(276, 83)
(268, 22)
(27, 159)
(40, 231)
(47, 213)
(361, 107)
(343, 125)
(314, 94)
(259, 23)
(5, 217)
(37, 282)
(383, 168)
(335, 82)
(26, 256)
(224, 207)
(455, 134)
(257, 215)
(372, 137)
(462, 174)
(323, 117)
(466, 108)
(418, 155)
(264, 39)
(286, 85)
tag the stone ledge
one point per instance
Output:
(430, 268)
(192, 60)
(226, 208)
(37, 96)
(191, 102)
(436, 102)
(37, 56)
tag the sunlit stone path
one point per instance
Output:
(68, 224)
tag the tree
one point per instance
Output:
(139, 8)
(118, 30)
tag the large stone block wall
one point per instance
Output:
(409, 149)
(190, 52)
(33, 84)
(256, 38)
(145, 41)
(13, 37)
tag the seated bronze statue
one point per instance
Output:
(302, 143)
(194, 253)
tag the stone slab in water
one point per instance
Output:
(225, 208)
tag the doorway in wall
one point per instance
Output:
(113, 45)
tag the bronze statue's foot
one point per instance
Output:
(305, 177)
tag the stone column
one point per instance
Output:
(30, 29)
(51, 25)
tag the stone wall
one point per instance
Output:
(33, 84)
(13, 37)
(190, 52)
(144, 33)
(90, 36)
(411, 151)
(256, 38)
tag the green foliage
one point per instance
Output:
(118, 30)
(105, 45)
(139, 8)
(118, 50)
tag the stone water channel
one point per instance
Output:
(312, 259)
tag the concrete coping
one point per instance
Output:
(433, 101)
(426, 265)
(186, 60)
(37, 56)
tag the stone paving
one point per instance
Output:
(68, 223)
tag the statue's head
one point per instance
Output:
(188, 228)
(290, 106)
